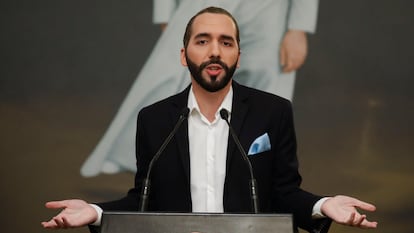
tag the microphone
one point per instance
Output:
(253, 184)
(146, 182)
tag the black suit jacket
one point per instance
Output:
(253, 113)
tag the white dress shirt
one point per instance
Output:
(208, 152)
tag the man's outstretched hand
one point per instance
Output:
(75, 213)
(344, 210)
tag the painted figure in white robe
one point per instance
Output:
(273, 43)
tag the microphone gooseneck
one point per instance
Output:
(253, 184)
(146, 183)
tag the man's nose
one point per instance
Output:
(215, 49)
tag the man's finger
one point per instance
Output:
(58, 222)
(358, 221)
(369, 225)
(351, 219)
(55, 204)
(50, 224)
(364, 205)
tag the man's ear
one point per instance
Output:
(238, 60)
(182, 57)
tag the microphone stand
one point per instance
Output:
(253, 184)
(146, 183)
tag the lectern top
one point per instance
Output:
(137, 222)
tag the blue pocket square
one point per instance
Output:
(259, 145)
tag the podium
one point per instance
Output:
(147, 222)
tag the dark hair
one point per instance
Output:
(214, 10)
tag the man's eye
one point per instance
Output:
(201, 42)
(225, 43)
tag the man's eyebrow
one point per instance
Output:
(222, 37)
(227, 37)
(203, 34)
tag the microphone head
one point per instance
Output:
(224, 114)
(184, 112)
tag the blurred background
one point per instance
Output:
(67, 65)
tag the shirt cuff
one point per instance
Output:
(316, 211)
(99, 212)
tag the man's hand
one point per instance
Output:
(75, 213)
(293, 50)
(343, 210)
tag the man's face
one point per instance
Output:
(212, 54)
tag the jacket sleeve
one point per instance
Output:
(303, 15)
(289, 197)
(131, 201)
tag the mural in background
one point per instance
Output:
(67, 66)
(273, 46)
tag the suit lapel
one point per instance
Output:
(238, 116)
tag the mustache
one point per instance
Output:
(213, 60)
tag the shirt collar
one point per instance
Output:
(226, 104)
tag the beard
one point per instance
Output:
(211, 83)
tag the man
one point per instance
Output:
(272, 52)
(201, 170)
